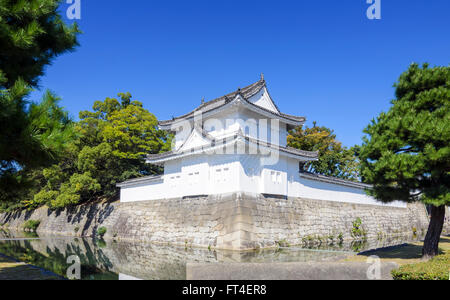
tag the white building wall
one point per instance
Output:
(313, 189)
(192, 176)
(249, 170)
(143, 192)
(222, 174)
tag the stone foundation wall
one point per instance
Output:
(235, 221)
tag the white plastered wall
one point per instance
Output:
(222, 174)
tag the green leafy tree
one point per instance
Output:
(406, 153)
(334, 159)
(113, 142)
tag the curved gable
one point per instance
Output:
(263, 99)
(197, 138)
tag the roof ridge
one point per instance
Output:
(246, 93)
(260, 84)
(239, 90)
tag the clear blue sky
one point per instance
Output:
(322, 59)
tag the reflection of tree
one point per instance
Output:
(359, 245)
(55, 261)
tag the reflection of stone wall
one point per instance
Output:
(237, 221)
(155, 262)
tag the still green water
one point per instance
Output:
(109, 260)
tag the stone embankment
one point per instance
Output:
(234, 221)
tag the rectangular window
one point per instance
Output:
(218, 175)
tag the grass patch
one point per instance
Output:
(402, 255)
(437, 268)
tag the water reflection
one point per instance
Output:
(122, 260)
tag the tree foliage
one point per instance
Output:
(30, 138)
(334, 159)
(111, 146)
(406, 153)
(32, 135)
(32, 34)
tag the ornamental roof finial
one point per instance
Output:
(262, 76)
(203, 100)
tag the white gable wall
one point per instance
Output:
(196, 139)
(262, 99)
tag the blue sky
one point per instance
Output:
(322, 59)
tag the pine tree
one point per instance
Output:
(32, 34)
(406, 153)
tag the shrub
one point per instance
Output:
(357, 230)
(31, 225)
(79, 186)
(101, 231)
(41, 198)
(283, 243)
(434, 269)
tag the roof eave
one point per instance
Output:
(336, 181)
(307, 156)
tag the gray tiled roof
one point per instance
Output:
(334, 180)
(246, 93)
(140, 180)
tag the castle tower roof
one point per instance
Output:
(241, 96)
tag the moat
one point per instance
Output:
(113, 260)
